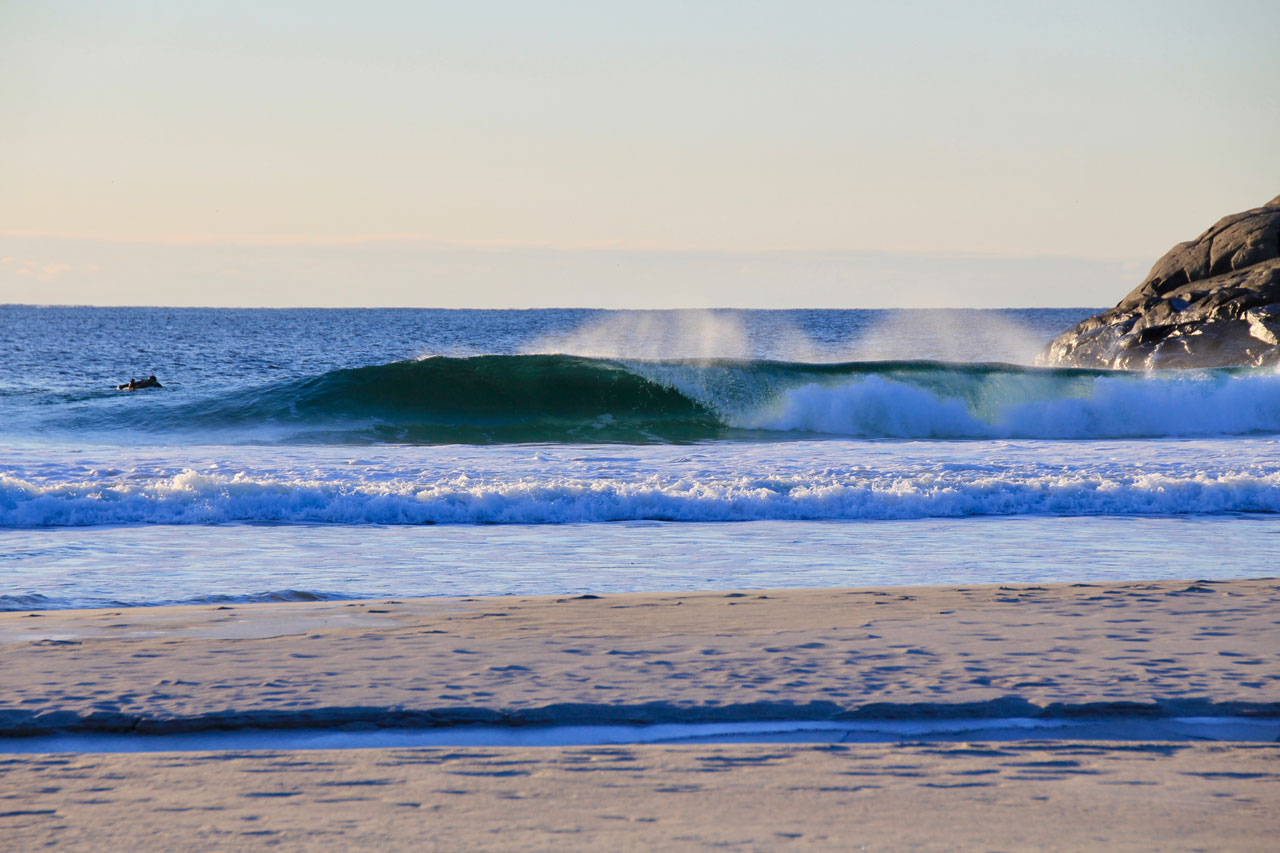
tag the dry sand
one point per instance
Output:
(1160, 648)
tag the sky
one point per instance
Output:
(622, 154)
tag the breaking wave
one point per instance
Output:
(557, 398)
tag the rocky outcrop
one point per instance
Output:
(1210, 302)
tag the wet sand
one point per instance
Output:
(1162, 648)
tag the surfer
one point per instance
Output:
(136, 385)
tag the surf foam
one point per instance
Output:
(192, 497)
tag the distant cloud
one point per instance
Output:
(313, 240)
(39, 270)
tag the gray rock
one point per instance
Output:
(1211, 302)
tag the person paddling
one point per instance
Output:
(135, 385)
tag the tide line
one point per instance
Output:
(366, 736)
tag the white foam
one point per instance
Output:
(1030, 406)
(192, 497)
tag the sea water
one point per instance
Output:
(304, 454)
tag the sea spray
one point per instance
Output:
(952, 336)
(653, 335)
(955, 335)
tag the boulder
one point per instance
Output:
(1211, 302)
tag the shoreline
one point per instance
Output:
(1156, 649)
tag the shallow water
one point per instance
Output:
(161, 564)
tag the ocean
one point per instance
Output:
(318, 454)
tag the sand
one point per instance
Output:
(1179, 647)
(873, 797)
(1162, 648)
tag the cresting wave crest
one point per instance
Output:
(498, 399)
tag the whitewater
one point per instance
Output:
(583, 484)
(559, 451)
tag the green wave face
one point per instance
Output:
(484, 399)
(559, 398)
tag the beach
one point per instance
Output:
(1049, 653)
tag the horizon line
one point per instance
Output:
(531, 308)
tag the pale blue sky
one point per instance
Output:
(622, 154)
